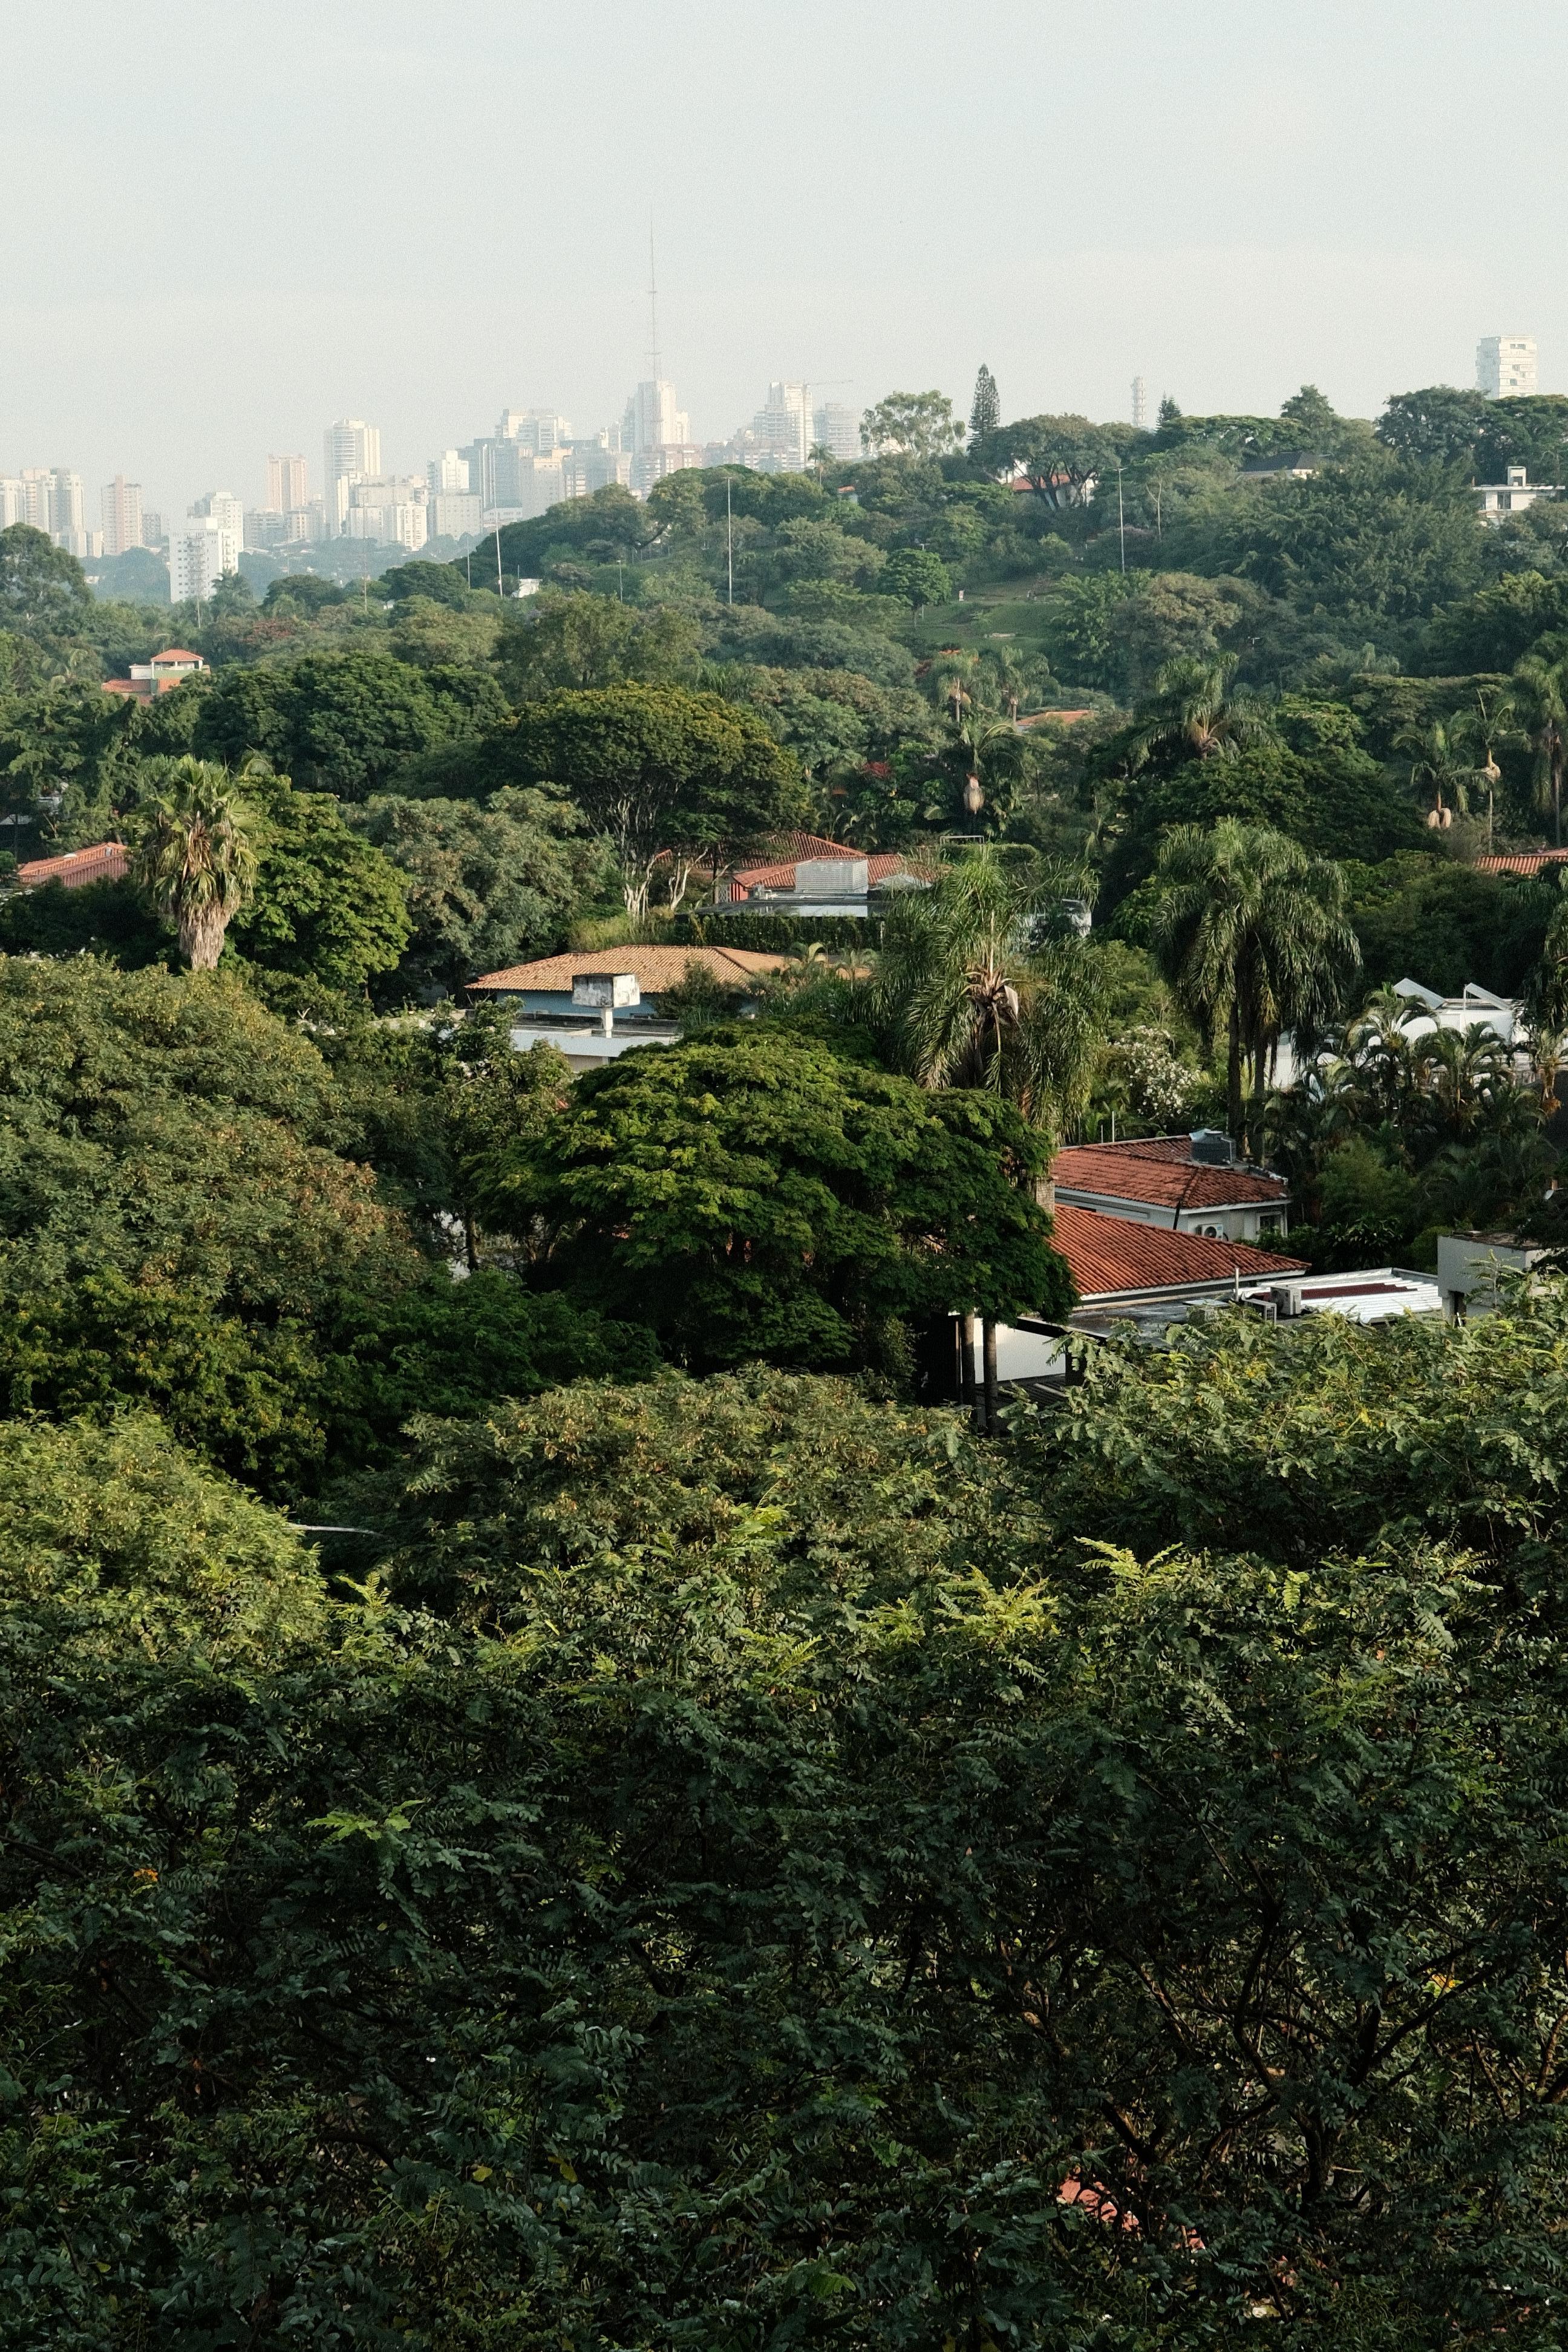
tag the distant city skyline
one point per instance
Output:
(409, 218)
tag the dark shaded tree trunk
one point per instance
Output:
(992, 1398)
(1234, 1110)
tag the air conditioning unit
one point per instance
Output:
(1287, 1297)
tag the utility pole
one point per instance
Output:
(500, 584)
(1121, 517)
(730, 532)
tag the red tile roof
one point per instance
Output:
(1160, 1170)
(106, 861)
(177, 654)
(781, 877)
(1526, 861)
(655, 968)
(1111, 1255)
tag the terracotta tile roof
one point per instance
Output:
(1110, 1256)
(106, 861)
(1526, 861)
(781, 877)
(655, 968)
(174, 653)
(1162, 1171)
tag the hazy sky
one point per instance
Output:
(224, 222)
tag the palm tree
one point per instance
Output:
(984, 752)
(963, 997)
(1252, 936)
(950, 678)
(1478, 732)
(1194, 711)
(1538, 698)
(1441, 762)
(194, 856)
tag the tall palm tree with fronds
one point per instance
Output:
(1196, 711)
(194, 855)
(963, 997)
(1537, 697)
(1442, 764)
(1252, 936)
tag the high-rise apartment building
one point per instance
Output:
(782, 426)
(13, 500)
(67, 519)
(223, 507)
(389, 510)
(448, 473)
(352, 449)
(201, 549)
(1505, 366)
(288, 485)
(1141, 404)
(121, 516)
(656, 434)
(537, 430)
(838, 429)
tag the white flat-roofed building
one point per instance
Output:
(1506, 366)
(201, 549)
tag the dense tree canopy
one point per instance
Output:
(756, 1196)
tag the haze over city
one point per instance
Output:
(421, 217)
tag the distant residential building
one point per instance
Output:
(590, 465)
(654, 430)
(1506, 366)
(1140, 404)
(782, 427)
(288, 485)
(121, 516)
(160, 675)
(838, 429)
(13, 500)
(153, 531)
(68, 521)
(448, 473)
(539, 431)
(352, 453)
(201, 549)
(1512, 497)
(1298, 464)
(453, 514)
(390, 508)
(221, 506)
(1188, 1184)
(106, 861)
(36, 483)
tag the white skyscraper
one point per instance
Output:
(782, 427)
(838, 428)
(1140, 404)
(122, 515)
(223, 507)
(288, 485)
(201, 549)
(351, 451)
(1505, 366)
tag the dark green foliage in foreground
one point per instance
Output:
(104, 918)
(177, 1229)
(1441, 923)
(754, 1849)
(755, 1195)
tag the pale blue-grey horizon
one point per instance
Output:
(231, 222)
